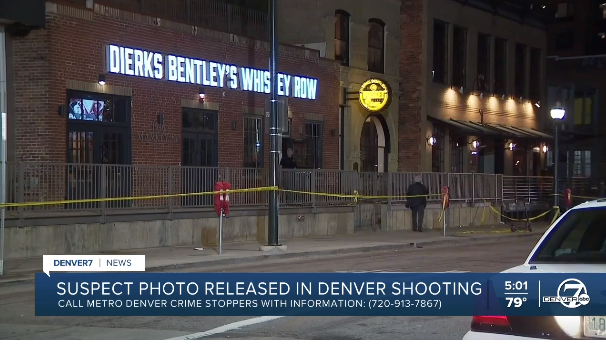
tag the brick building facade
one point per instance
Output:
(63, 114)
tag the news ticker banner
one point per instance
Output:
(320, 294)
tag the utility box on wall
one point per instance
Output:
(282, 114)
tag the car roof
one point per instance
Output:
(597, 203)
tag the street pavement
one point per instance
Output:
(18, 320)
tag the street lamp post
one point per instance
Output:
(557, 114)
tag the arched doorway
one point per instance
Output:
(373, 144)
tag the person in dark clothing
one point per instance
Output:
(288, 162)
(417, 203)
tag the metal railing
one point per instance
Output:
(209, 14)
(147, 186)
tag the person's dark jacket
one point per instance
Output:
(417, 189)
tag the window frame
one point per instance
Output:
(440, 77)
(520, 71)
(459, 55)
(437, 149)
(500, 66)
(587, 118)
(456, 155)
(261, 132)
(319, 149)
(484, 77)
(582, 169)
(377, 67)
(570, 11)
(534, 88)
(342, 36)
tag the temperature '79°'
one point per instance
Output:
(516, 301)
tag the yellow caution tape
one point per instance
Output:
(114, 199)
(356, 196)
(495, 231)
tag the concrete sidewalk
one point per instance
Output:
(172, 258)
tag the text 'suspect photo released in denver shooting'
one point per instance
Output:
(302, 170)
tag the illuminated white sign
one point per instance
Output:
(134, 62)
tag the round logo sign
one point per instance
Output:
(374, 95)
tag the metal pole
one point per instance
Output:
(556, 160)
(221, 232)
(274, 153)
(3, 111)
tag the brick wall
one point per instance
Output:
(72, 47)
(411, 87)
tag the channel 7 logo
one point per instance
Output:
(572, 293)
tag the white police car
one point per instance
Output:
(576, 243)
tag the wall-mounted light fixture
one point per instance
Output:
(475, 144)
(511, 146)
(101, 80)
(481, 95)
(461, 90)
(538, 104)
(545, 149)
(503, 97)
(431, 140)
(521, 100)
(201, 94)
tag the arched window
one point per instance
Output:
(376, 46)
(342, 37)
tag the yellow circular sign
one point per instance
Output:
(374, 95)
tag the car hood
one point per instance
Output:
(557, 268)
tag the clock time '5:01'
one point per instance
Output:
(516, 286)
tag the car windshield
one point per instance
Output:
(580, 237)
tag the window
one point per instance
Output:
(102, 109)
(579, 238)
(582, 164)
(313, 146)
(440, 52)
(535, 74)
(583, 107)
(98, 128)
(565, 10)
(342, 37)
(564, 40)
(483, 78)
(500, 67)
(520, 72)
(376, 46)
(253, 142)
(459, 57)
(456, 155)
(437, 150)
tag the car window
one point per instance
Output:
(580, 237)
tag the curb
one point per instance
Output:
(301, 254)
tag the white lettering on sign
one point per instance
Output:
(135, 62)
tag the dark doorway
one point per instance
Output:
(98, 149)
(199, 155)
(369, 147)
(520, 161)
